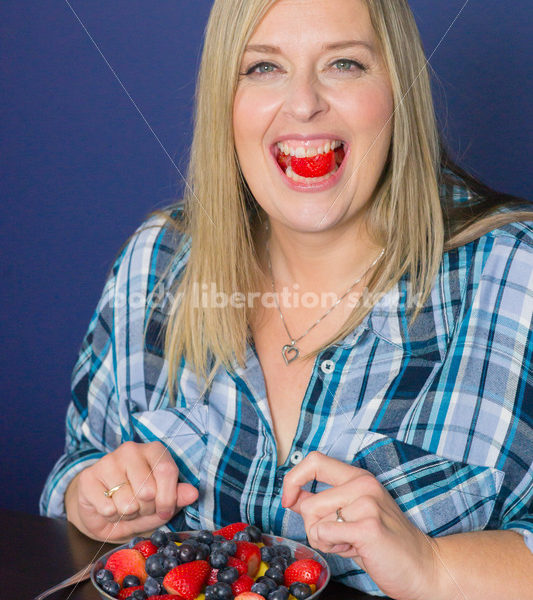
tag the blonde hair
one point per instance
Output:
(221, 217)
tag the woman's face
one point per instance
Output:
(313, 113)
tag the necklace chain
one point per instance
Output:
(290, 351)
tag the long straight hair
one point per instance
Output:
(221, 217)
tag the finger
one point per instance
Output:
(125, 501)
(187, 494)
(142, 481)
(359, 534)
(165, 473)
(320, 467)
(91, 494)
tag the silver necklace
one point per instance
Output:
(290, 351)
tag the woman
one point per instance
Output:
(389, 426)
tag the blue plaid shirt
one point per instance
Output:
(440, 411)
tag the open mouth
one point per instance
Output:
(310, 164)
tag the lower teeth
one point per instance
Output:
(290, 173)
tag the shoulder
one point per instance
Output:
(158, 248)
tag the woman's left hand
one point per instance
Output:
(376, 534)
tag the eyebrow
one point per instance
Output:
(267, 49)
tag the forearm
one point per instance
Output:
(484, 565)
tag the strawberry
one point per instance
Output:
(127, 562)
(127, 592)
(146, 548)
(249, 596)
(250, 554)
(243, 584)
(314, 166)
(240, 565)
(305, 570)
(188, 579)
(213, 577)
(230, 530)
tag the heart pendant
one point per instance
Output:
(287, 350)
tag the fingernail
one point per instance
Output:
(164, 514)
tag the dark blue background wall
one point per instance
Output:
(81, 168)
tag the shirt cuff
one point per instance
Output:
(52, 502)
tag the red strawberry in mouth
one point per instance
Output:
(312, 166)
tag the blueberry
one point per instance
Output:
(218, 538)
(170, 562)
(242, 536)
(187, 553)
(159, 538)
(276, 574)
(204, 537)
(270, 583)
(254, 533)
(222, 591)
(111, 587)
(300, 591)
(279, 561)
(209, 592)
(282, 593)
(267, 553)
(103, 575)
(283, 550)
(130, 581)
(202, 551)
(134, 541)
(218, 559)
(155, 565)
(138, 595)
(229, 547)
(152, 587)
(216, 545)
(191, 542)
(170, 550)
(260, 588)
(228, 575)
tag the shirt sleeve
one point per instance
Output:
(93, 401)
(494, 363)
(112, 353)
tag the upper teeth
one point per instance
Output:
(301, 152)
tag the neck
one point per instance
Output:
(320, 261)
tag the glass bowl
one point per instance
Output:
(299, 551)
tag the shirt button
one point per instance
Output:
(327, 366)
(296, 457)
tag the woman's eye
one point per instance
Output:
(347, 65)
(261, 68)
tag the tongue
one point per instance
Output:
(314, 166)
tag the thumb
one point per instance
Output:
(186, 495)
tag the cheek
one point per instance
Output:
(253, 112)
(370, 110)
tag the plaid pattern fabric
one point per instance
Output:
(440, 411)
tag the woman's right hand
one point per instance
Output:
(150, 497)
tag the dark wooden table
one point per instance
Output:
(38, 552)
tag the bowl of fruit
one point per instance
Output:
(237, 562)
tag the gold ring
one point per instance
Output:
(109, 493)
(340, 518)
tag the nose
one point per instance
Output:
(304, 97)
